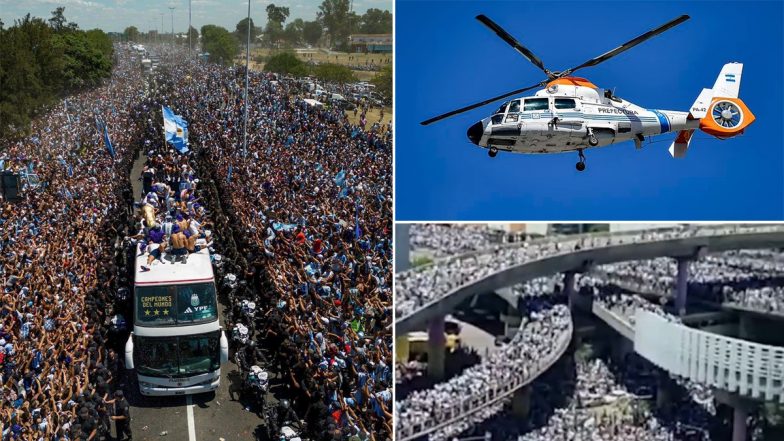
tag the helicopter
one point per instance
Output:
(570, 113)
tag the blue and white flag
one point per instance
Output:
(340, 178)
(176, 129)
(108, 141)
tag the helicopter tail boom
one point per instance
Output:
(719, 111)
(726, 115)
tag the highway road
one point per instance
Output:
(214, 416)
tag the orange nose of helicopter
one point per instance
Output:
(475, 132)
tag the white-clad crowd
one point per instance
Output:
(741, 276)
(418, 287)
(596, 386)
(449, 239)
(530, 350)
(747, 278)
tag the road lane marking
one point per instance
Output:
(191, 426)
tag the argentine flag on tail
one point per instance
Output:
(176, 129)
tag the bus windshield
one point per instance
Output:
(182, 356)
(175, 304)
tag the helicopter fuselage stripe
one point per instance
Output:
(663, 121)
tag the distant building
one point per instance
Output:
(402, 247)
(371, 43)
(507, 233)
(618, 227)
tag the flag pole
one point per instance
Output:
(172, 8)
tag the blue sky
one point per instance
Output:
(446, 59)
(116, 15)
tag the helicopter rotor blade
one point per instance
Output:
(475, 105)
(628, 45)
(511, 41)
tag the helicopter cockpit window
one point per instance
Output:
(514, 108)
(498, 116)
(535, 104)
(564, 103)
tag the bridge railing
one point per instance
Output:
(731, 364)
(474, 403)
(616, 321)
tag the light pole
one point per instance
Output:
(189, 28)
(247, 67)
(172, 8)
(160, 34)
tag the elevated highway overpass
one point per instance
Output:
(573, 254)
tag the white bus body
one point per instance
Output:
(177, 345)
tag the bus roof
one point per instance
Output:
(164, 272)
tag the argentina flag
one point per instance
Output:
(176, 129)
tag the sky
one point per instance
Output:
(116, 15)
(452, 60)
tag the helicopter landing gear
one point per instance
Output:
(592, 138)
(492, 152)
(581, 165)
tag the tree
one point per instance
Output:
(376, 21)
(131, 33)
(84, 64)
(57, 22)
(383, 81)
(334, 73)
(293, 32)
(40, 61)
(286, 63)
(101, 41)
(242, 31)
(311, 32)
(335, 17)
(221, 45)
(276, 16)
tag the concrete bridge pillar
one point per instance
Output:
(663, 394)
(739, 426)
(402, 247)
(521, 402)
(436, 348)
(621, 347)
(740, 408)
(569, 290)
(681, 285)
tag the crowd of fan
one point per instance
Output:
(449, 239)
(748, 278)
(411, 376)
(692, 415)
(597, 386)
(624, 305)
(57, 372)
(417, 287)
(528, 351)
(310, 206)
